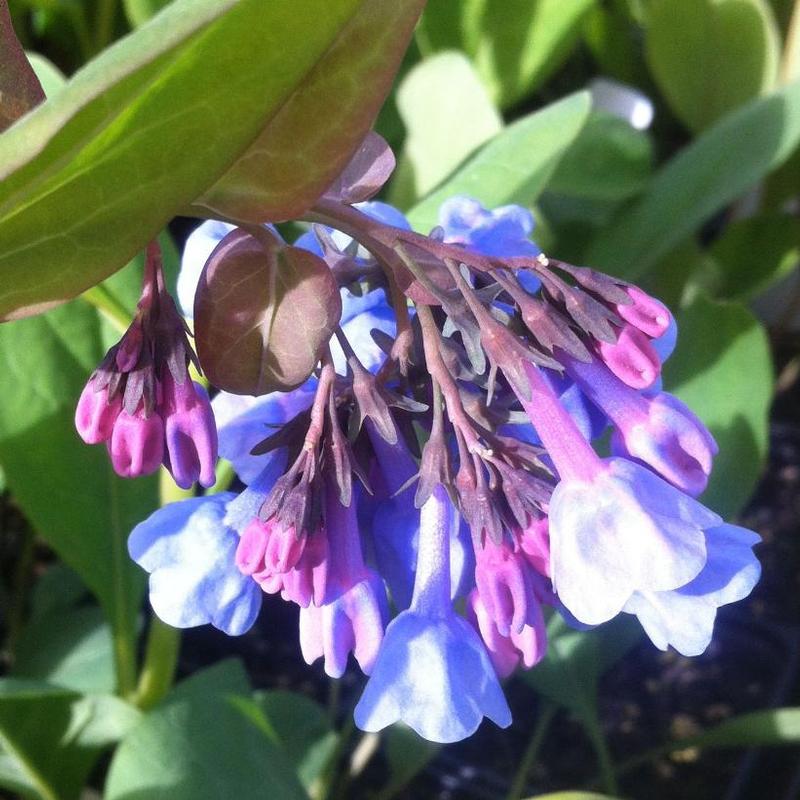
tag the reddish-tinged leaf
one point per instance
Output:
(20, 89)
(263, 313)
(366, 173)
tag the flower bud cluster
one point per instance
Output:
(141, 401)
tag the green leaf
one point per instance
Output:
(70, 648)
(523, 42)
(608, 161)
(407, 755)
(515, 166)
(756, 253)
(722, 370)
(575, 661)
(573, 796)
(302, 728)
(199, 745)
(68, 490)
(20, 89)
(447, 114)
(202, 96)
(51, 737)
(711, 56)
(711, 172)
(515, 44)
(779, 726)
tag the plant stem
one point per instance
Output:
(160, 663)
(546, 714)
(607, 772)
(108, 306)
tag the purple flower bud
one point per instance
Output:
(646, 313)
(659, 431)
(251, 548)
(137, 444)
(632, 358)
(671, 440)
(505, 587)
(191, 434)
(528, 646)
(353, 622)
(284, 546)
(96, 414)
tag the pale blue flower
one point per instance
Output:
(189, 552)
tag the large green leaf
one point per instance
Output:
(722, 370)
(68, 490)
(523, 42)
(447, 114)
(515, 166)
(515, 44)
(51, 736)
(70, 648)
(779, 726)
(714, 170)
(139, 11)
(199, 745)
(302, 728)
(710, 56)
(262, 102)
(573, 796)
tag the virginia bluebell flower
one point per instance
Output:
(189, 552)
(433, 672)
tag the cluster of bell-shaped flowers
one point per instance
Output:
(437, 565)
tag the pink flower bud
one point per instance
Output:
(251, 548)
(307, 582)
(505, 587)
(137, 444)
(95, 414)
(631, 358)
(534, 541)
(284, 547)
(191, 433)
(646, 313)
(506, 652)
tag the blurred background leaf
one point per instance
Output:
(711, 56)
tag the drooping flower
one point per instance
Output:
(433, 672)
(684, 617)
(190, 553)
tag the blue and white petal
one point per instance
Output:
(189, 552)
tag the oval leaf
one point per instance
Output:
(710, 56)
(263, 313)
